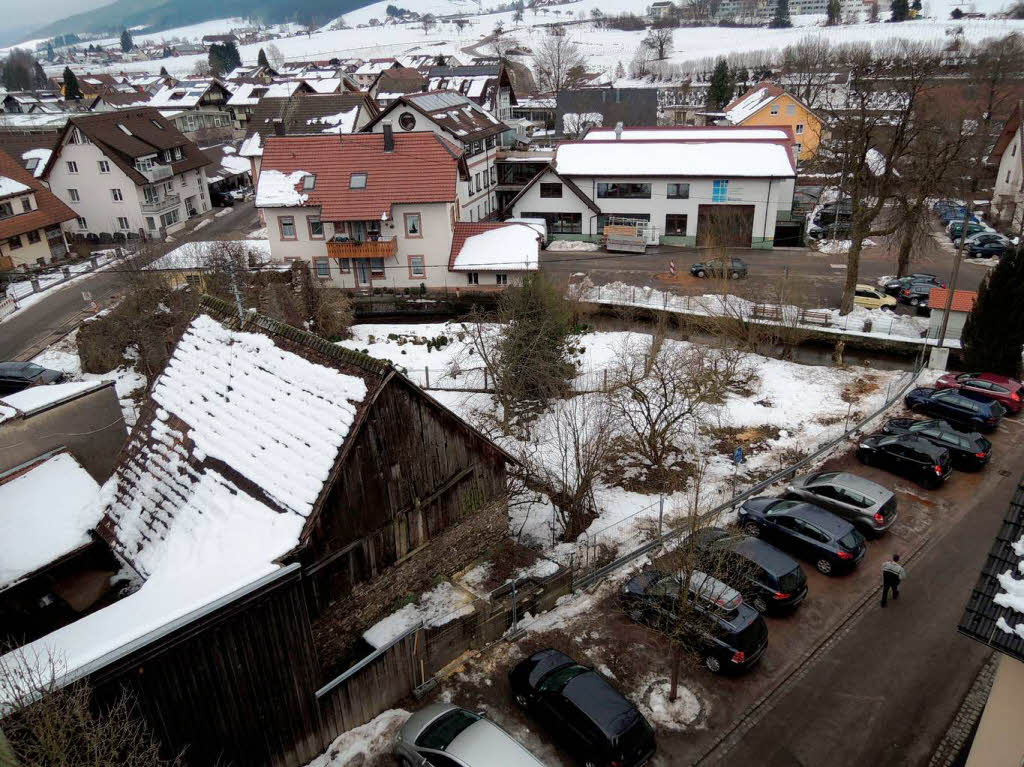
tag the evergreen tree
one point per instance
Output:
(71, 87)
(781, 18)
(49, 51)
(41, 80)
(720, 89)
(834, 11)
(900, 10)
(261, 60)
(873, 12)
(126, 41)
(993, 336)
(233, 59)
(164, 72)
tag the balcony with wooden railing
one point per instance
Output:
(346, 248)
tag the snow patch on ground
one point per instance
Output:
(678, 714)
(573, 245)
(836, 247)
(442, 604)
(361, 744)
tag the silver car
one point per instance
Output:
(871, 507)
(443, 735)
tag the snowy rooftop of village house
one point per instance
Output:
(39, 397)
(672, 158)
(277, 189)
(9, 186)
(751, 103)
(689, 134)
(343, 122)
(512, 247)
(220, 477)
(45, 513)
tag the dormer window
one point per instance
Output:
(309, 182)
(178, 154)
(357, 181)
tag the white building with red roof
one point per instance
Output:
(382, 210)
(1008, 154)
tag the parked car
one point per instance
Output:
(894, 286)
(838, 231)
(720, 267)
(953, 212)
(832, 543)
(443, 735)
(769, 580)
(872, 298)
(956, 227)
(965, 412)
(916, 294)
(984, 245)
(969, 450)
(1003, 389)
(593, 720)
(732, 635)
(909, 456)
(869, 505)
(15, 376)
(222, 199)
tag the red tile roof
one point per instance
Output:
(464, 230)
(49, 209)
(422, 168)
(963, 300)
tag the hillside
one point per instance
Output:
(165, 14)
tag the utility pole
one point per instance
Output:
(234, 289)
(956, 273)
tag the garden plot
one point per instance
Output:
(786, 411)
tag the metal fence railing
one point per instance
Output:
(596, 557)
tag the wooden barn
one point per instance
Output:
(270, 474)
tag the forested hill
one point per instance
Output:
(166, 14)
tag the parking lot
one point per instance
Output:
(592, 628)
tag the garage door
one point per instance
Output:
(729, 226)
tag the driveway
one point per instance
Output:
(26, 333)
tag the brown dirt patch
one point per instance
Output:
(859, 388)
(751, 438)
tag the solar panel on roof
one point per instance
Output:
(432, 101)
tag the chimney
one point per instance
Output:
(389, 137)
(618, 131)
(278, 126)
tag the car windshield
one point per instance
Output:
(852, 540)
(792, 581)
(557, 680)
(442, 731)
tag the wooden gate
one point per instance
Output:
(725, 226)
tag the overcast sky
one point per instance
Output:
(40, 12)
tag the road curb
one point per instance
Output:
(756, 711)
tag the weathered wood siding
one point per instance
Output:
(235, 686)
(412, 472)
(373, 686)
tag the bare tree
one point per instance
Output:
(51, 724)
(428, 22)
(659, 40)
(873, 126)
(558, 63)
(274, 56)
(660, 390)
(640, 66)
(809, 67)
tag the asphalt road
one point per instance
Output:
(886, 691)
(62, 308)
(813, 276)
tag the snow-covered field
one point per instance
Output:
(603, 48)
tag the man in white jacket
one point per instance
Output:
(892, 575)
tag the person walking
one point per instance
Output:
(892, 575)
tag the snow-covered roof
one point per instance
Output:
(9, 186)
(689, 134)
(752, 103)
(221, 473)
(247, 94)
(513, 247)
(45, 513)
(277, 190)
(324, 84)
(38, 397)
(343, 122)
(252, 146)
(667, 158)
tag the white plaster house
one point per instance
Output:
(372, 211)
(694, 187)
(129, 172)
(469, 127)
(1007, 207)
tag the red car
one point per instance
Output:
(1006, 391)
